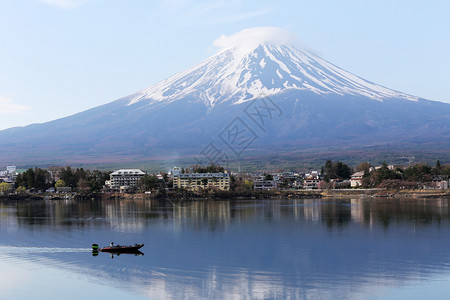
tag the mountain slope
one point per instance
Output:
(283, 96)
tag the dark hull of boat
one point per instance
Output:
(122, 249)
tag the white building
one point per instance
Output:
(356, 179)
(311, 181)
(441, 182)
(125, 178)
(11, 169)
(175, 172)
(9, 176)
(265, 185)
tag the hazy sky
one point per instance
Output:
(60, 57)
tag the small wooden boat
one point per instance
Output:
(119, 248)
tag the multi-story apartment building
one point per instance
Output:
(124, 178)
(198, 181)
(311, 181)
(265, 185)
(9, 176)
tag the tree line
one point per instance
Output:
(385, 176)
(78, 179)
(410, 177)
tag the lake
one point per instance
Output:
(258, 249)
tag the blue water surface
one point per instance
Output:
(258, 249)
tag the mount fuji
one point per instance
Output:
(261, 61)
(262, 92)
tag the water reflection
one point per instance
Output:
(217, 215)
(259, 249)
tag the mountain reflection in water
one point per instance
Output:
(249, 249)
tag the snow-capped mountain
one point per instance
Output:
(245, 71)
(313, 103)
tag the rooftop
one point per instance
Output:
(128, 172)
(203, 175)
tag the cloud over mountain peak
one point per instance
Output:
(252, 37)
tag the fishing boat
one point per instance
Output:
(118, 248)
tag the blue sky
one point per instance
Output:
(60, 57)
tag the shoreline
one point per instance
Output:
(220, 195)
(386, 193)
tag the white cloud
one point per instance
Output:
(8, 107)
(252, 37)
(64, 3)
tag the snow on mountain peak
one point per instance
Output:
(260, 61)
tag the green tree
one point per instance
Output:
(384, 173)
(363, 167)
(81, 174)
(97, 179)
(445, 170)
(437, 170)
(343, 171)
(69, 177)
(241, 185)
(34, 178)
(418, 173)
(212, 168)
(268, 177)
(29, 177)
(26, 179)
(149, 182)
(21, 190)
(5, 188)
(42, 179)
(376, 177)
(83, 186)
(60, 183)
(328, 170)
(336, 170)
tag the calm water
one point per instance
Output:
(265, 249)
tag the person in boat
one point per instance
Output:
(112, 244)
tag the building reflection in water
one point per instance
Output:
(311, 210)
(211, 214)
(126, 214)
(218, 215)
